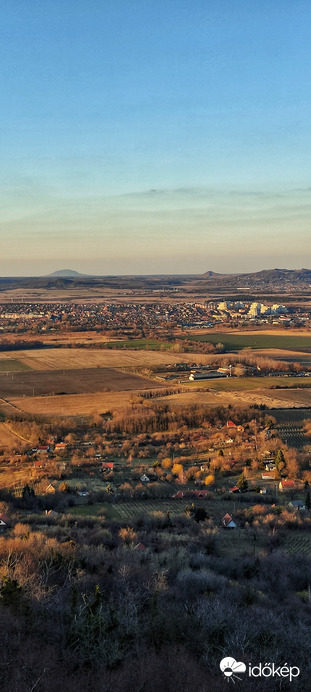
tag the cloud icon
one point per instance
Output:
(230, 667)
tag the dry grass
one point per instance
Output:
(294, 397)
(7, 438)
(217, 398)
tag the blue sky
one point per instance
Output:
(168, 136)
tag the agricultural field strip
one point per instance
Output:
(58, 359)
(86, 404)
(135, 508)
(71, 381)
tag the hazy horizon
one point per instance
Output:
(88, 275)
(142, 138)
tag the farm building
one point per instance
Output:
(212, 374)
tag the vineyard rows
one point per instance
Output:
(297, 544)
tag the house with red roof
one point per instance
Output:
(107, 465)
(179, 495)
(286, 485)
(268, 476)
(201, 493)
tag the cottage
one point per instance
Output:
(286, 485)
(140, 546)
(144, 478)
(178, 496)
(231, 424)
(297, 505)
(268, 476)
(60, 446)
(51, 513)
(4, 522)
(50, 488)
(201, 493)
(270, 466)
(227, 522)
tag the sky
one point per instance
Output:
(144, 136)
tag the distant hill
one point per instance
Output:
(66, 274)
(211, 275)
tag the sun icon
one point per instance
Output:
(230, 668)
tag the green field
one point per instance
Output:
(12, 365)
(234, 342)
(141, 344)
(227, 384)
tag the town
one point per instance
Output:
(144, 317)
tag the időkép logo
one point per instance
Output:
(232, 670)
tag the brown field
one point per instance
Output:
(61, 337)
(62, 358)
(88, 380)
(283, 354)
(85, 404)
(74, 404)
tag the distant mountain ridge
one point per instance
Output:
(265, 277)
(271, 280)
